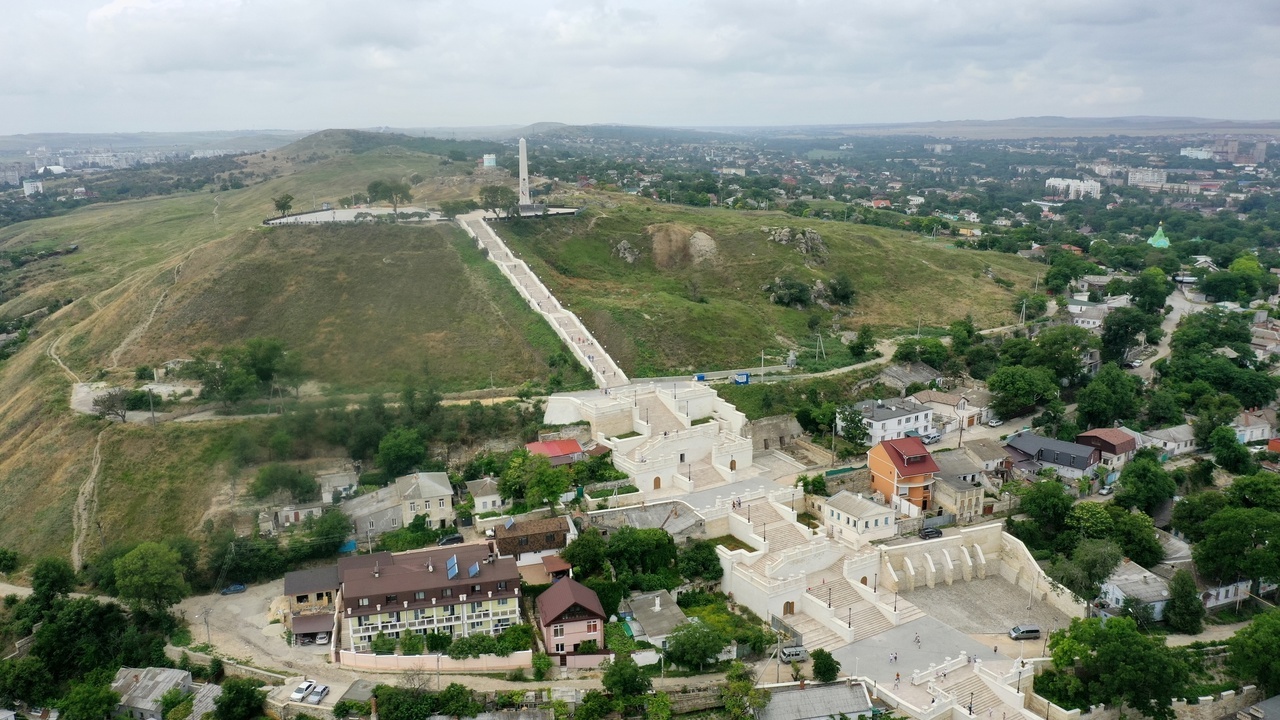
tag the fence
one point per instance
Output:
(229, 667)
(436, 662)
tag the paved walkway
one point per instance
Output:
(567, 325)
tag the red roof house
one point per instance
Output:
(561, 452)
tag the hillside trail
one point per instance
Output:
(141, 327)
(86, 506)
(52, 352)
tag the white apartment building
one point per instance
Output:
(892, 419)
(1074, 189)
(1147, 176)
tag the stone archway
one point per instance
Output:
(657, 482)
(788, 608)
(864, 580)
(733, 465)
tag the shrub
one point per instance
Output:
(383, 645)
(541, 666)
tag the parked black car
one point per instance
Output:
(930, 533)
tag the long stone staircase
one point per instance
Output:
(814, 633)
(769, 525)
(983, 699)
(849, 608)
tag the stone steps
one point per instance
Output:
(983, 698)
(814, 632)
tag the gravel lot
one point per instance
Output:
(985, 606)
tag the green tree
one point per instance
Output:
(1192, 511)
(1260, 490)
(1047, 504)
(1060, 349)
(545, 483)
(150, 577)
(495, 198)
(541, 666)
(658, 707)
(401, 450)
(396, 192)
(825, 667)
(694, 644)
(1136, 535)
(1090, 520)
(1016, 389)
(1097, 559)
(1213, 411)
(1184, 612)
(863, 343)
(1113, 663)
(698, 560)
(27, 680)
(457, 701)
(8, 561)
(586, 553)
(51, 578)
(241, 699)
(741, 698)
(1111, 395)
(594, 705)
(1150, 290)
(412, 643)
(929, 351)
(1239, 542)
(383, 644)
(625, 681)
(1120, 331)
(283, 204)
(1162, 409)
(1253, 656)
(1228, 452)
(88, 701)
(1144, 484)
(853, 430)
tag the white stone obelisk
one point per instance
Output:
(524, 175)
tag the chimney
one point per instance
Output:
(377, 570)
(657, 603)
(430, 566)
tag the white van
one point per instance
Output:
(795, 653)
(931, 437)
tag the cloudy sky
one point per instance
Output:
(135, 65)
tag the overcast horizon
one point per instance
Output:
(174, 66)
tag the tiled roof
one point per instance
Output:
(533, 527)
(302, 582)
(565, 594)
(1121, 440)
(483, 486)
(909, 456)
(1049, 450)
(554, 448)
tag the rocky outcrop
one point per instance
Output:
(806, 241)
(627, 252)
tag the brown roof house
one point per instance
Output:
(541, 537)
(569, 614)
(311, 594)
(1117, 445)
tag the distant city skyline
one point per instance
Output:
(175, 65)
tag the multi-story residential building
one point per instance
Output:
(892, 419)
(902, 472)
(396, 505)
(1116, 445)
(953, 411)
(457, 590)
(569, 614)
(312, 596)
(1074, 189)
(1147, 176)
(958, 489)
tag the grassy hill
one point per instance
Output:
(691, 303)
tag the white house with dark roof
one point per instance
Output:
(140, 690)
(485, 494)
(1172, 441)
(892, 419)
(1131, 581)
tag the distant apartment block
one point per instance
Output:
(1197, 153)
(1074, 189)
(1147, 176)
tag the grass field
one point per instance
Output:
(649, 315)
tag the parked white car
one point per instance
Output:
(302, 690)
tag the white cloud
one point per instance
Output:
(187, 64)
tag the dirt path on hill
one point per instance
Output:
(52, 352)
(141, 327)
(86, 506)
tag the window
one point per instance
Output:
(475, 607)
(364, 602)
(391, 599)
(502, 584)
(302, 598)
(420, 595)
(475, 588)
(524, 541)
(413, 506)
(557, 631)
(447, 592)
(502, 601)
(477, 625)
(319, 597)
(441, 502)
(370, 523)
(551, 537)
(560, 647)
(593, 626)
(395, 522)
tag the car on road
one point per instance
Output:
(930, 438)
(317, 694)
(1107, 490)
(450, 540)
(930, 533)
(1135, 364)
(234, 589)
(995, 422)
(302, 690)
(322, 638)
